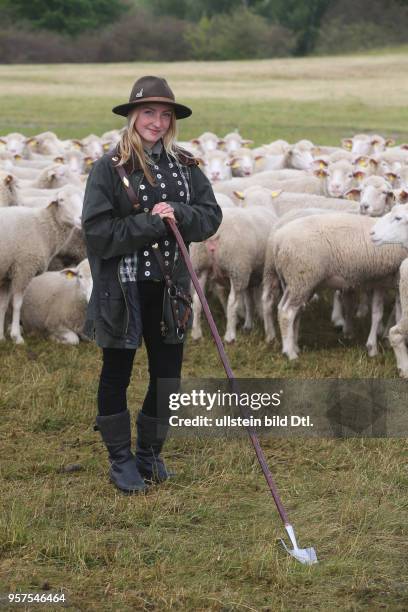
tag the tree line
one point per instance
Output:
(170, 30)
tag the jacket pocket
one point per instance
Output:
(113, 310)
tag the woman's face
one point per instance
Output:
(153, 121)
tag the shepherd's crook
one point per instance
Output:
(304, 555)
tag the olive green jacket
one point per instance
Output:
(113, 228)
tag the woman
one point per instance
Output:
(129, 299)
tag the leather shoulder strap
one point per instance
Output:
(125, 180)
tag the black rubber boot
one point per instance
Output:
(115, 432)
(151, 434)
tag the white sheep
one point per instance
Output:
(19, 172)
(280, 154)
(393, 229)
(271, 289)
(283, 201)
(234, 256)
(39, 163)
(46, 143)
(342, 257)
(391, 160)
(55, 303)
(52, 177)
(273, 179)
(29, 238)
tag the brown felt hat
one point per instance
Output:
(152, 89)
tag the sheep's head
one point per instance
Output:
(16, 143)
(68, 206)
(301, 156)
(216, 165)
(80, 277)
(392, 228)
(242, 163)
(376, 197)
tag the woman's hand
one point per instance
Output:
(164, 210)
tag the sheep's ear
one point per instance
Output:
(9, 179)
(2, 141)
(195, 141)
(69, 273)
(402, 196)
(316, 151)
(347, 143)
(391, 176)
(221, 141)
(258, 157)
(200, 160)
(320, 163)
(390, 142)
(353, 194)
(404, 146)
(17, 157)
(247, 143)
(239, 195)
(51, 173)
(373, 162)
(53, 203)
(77, 143)
(59, 160)
(31, 142)
(363, 161)
(390, 199)
(106, 146)
(320, 173)
(359, 175)
(88, 161)
(275, 194)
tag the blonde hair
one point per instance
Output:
(131, 143)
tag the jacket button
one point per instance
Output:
(107, 294)
(146, 209)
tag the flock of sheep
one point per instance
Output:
(296, 218)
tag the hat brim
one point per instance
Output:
(181, 111)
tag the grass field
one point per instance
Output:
(208, 539)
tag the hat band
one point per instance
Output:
(153, 99)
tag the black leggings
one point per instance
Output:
(164, 360)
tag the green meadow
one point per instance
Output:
(208, 539)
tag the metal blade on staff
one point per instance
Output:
(304, 555)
